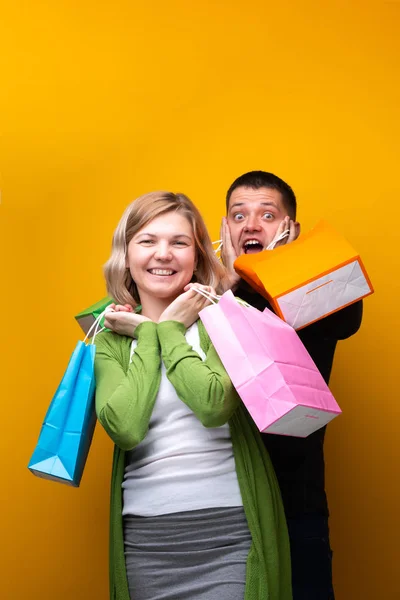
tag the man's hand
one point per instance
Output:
(228, 254)
(186, 307)
(294, 232)
(122, 320)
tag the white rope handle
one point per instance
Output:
(96, 325)
(98, 328)
(211, 297)
(282, 236)
(219, 242)
(243, 302)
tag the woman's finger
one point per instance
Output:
(121, 308)
(201, 300)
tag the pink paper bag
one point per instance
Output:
(270, 368)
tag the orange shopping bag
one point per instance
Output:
(310, 278)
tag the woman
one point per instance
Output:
(195, 507)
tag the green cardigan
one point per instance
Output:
(125, 397)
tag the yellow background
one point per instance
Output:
(102, 101)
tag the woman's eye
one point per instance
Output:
(146, 242)
(238, 217)
(177, 243)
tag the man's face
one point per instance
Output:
(253, 218)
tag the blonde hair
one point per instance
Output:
(209, 271)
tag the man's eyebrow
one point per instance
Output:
(237, 204)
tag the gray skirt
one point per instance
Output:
(197, 555)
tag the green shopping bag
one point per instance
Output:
(87, 317)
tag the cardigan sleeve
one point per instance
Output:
(125, 397)
(204, 386)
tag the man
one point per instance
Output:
(260, 206)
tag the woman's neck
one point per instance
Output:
(152, 307)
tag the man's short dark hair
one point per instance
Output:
(262, 179)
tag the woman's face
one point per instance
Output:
(161, 256)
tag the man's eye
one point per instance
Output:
(268, 216)
(238, 217)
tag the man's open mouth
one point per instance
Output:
(252, 247)
(162, 272)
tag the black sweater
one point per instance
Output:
(299, 462)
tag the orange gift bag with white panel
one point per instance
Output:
(308, 279)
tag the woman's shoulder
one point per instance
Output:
(110, 345)
(112, 341)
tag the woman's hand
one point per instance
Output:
(123, 320)
(186, 307)
(122, 307)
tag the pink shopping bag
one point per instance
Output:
(270, 368)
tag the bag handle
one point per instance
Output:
(96, 325)
(211, 297)
(215, 298)
(282, 236)
(270, 246)
(219, 242)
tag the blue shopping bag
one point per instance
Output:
(68, 427)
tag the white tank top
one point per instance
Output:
(180, 465)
